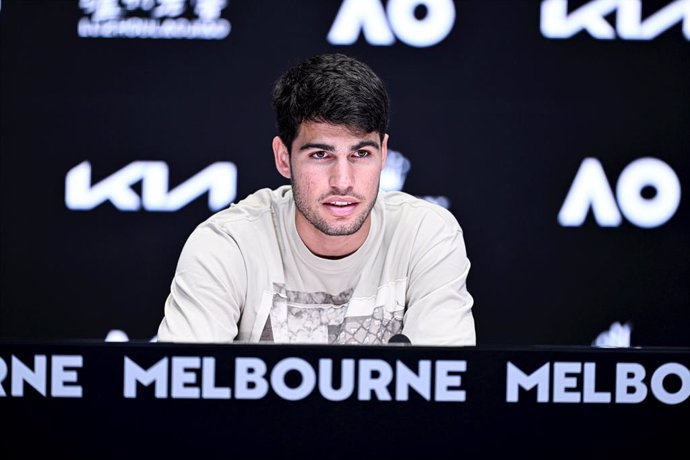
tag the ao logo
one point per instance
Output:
(218, 179)
(398, 20)
(556, 22)
(394, 173)
(590, 188)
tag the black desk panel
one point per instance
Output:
(154, 400)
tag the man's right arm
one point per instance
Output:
(207, 291)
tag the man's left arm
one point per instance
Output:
(439, 307)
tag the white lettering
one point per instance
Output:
(380, 28)
(590, 394)
(3, 375)
(562, 382)
(249, 378)
(355, 16)
(556, 22)
(590, 188)
(374, 377)
(133, 374)
(209, 390)
(179, 28)
(445, 380)
(648, 212)
(35, 377)
(406, 378)
(347, 379)
(425, 32)
(305, 387)
(630, 26)
(664, 371)
(629, 377)
(79, 194)
(182, 375)
(517, 379)
(218, 179)
(61, 376)
(629, 383)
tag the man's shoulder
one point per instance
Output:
(251, 209)
(403, 208)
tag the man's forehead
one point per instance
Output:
(311, 131)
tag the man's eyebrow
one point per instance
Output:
(366, 143)
(331, 148)
(326, 147)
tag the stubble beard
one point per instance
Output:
(321, 224)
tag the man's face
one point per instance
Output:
(335, 177)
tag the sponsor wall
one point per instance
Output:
(556, 131)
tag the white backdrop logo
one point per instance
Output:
(218, 179)
(557, 22)
(399, 19)
(591, 189)
(162, 19)
(618, 335)
(394, 174)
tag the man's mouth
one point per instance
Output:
(341, 208)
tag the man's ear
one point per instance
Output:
(384, 151)
(282, 157)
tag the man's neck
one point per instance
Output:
(327, 246)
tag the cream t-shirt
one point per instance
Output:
(245, 275)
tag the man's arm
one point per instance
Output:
(207, 291)
(439, 307)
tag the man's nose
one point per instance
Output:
(342, 176)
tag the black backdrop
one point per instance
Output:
(495, 118)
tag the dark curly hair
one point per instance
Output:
(330, 88)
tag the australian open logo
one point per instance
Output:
(395, 172)
(396, 169)
(156, 19)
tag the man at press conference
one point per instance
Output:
(330, 258)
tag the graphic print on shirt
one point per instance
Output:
(320, 317)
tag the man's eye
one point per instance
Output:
(361, 153)
(319, 155)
